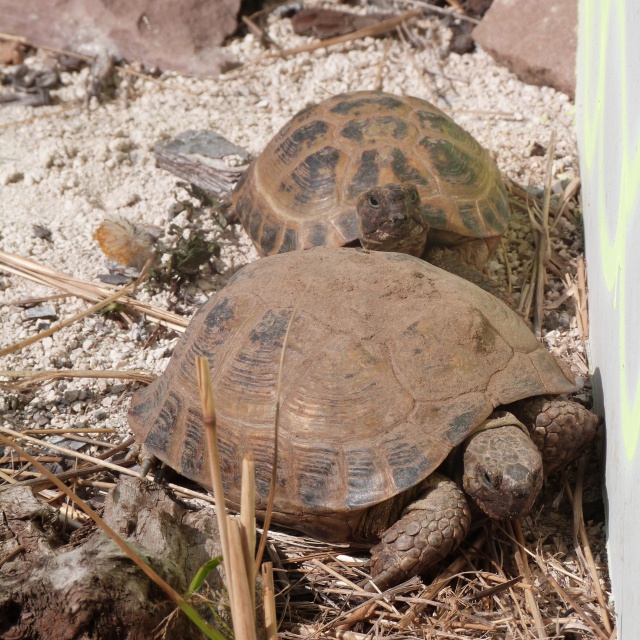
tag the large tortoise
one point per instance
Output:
(378, 170)
(391, 364)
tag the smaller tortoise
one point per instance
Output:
(392, 366)
(378, 170)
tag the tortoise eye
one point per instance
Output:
(373, 201)
(413, 197)
(487, 481)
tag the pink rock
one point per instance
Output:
(535, 40)
(183, 35)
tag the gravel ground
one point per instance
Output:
(67, 168)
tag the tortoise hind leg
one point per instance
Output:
(560, 428)
(430, 528)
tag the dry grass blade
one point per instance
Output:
(30, 378)
(440, 582)
(523, 567)
(581, 532)
(209, 414)
(126, 548)
(446, 12)
(243, 612)
(542, 241)
(78, 316)
(269, 596)
(274, 468)
(70, 452)
(11, 555)
(237, 537)
(84, 289)
(569, 194)
(248, 520)
(577, 608)
(373, 30)
(580, 299)
(53, 432)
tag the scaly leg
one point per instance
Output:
(429, 529)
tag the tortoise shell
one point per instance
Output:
(391, 362)
(301, 192)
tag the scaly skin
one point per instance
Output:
(560, 428)
(430, 528)
(503, 472)
(390, 218)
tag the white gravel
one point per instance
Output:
(68, 168)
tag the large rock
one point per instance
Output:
(536, 40)
(183, 36)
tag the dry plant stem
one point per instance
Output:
(53, 432)
(144, 567)
(523, 567)
(274, 467)
(543, 243)
(580, 530)
(41, 274)
(445, 12)
(11, 555)
(32, 377)
(380, 70)
(581, 302)
(69, 452)
(569, 193)
(507, 265)
(374, 30)
(248, 520)
(577, 608)
(209, 414)
(440, 582)
(78, 316)
(242, 609)
(65, 323)
(259, 32)
(39, 484)
(269, 598)
(457, 6)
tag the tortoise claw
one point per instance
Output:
(148, 461)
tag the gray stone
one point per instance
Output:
(535, 40)
(183, 36)
(41, 312)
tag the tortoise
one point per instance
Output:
(378, 170)
(392, 366)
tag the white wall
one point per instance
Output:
(608, 122)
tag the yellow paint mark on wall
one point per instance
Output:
(603, 33)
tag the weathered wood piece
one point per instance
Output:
(89, 588)
(205, 159)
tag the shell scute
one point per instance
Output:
(391, 363)
(317, 166)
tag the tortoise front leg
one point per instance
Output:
(429, 529)
(560, 428)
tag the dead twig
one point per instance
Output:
(373, 30)
(84, 289)
(27, 379)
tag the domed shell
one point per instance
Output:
(302, 190)
(391, 362)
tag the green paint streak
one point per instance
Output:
(592, 124)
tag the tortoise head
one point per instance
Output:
(390, 218)
(502, 471)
